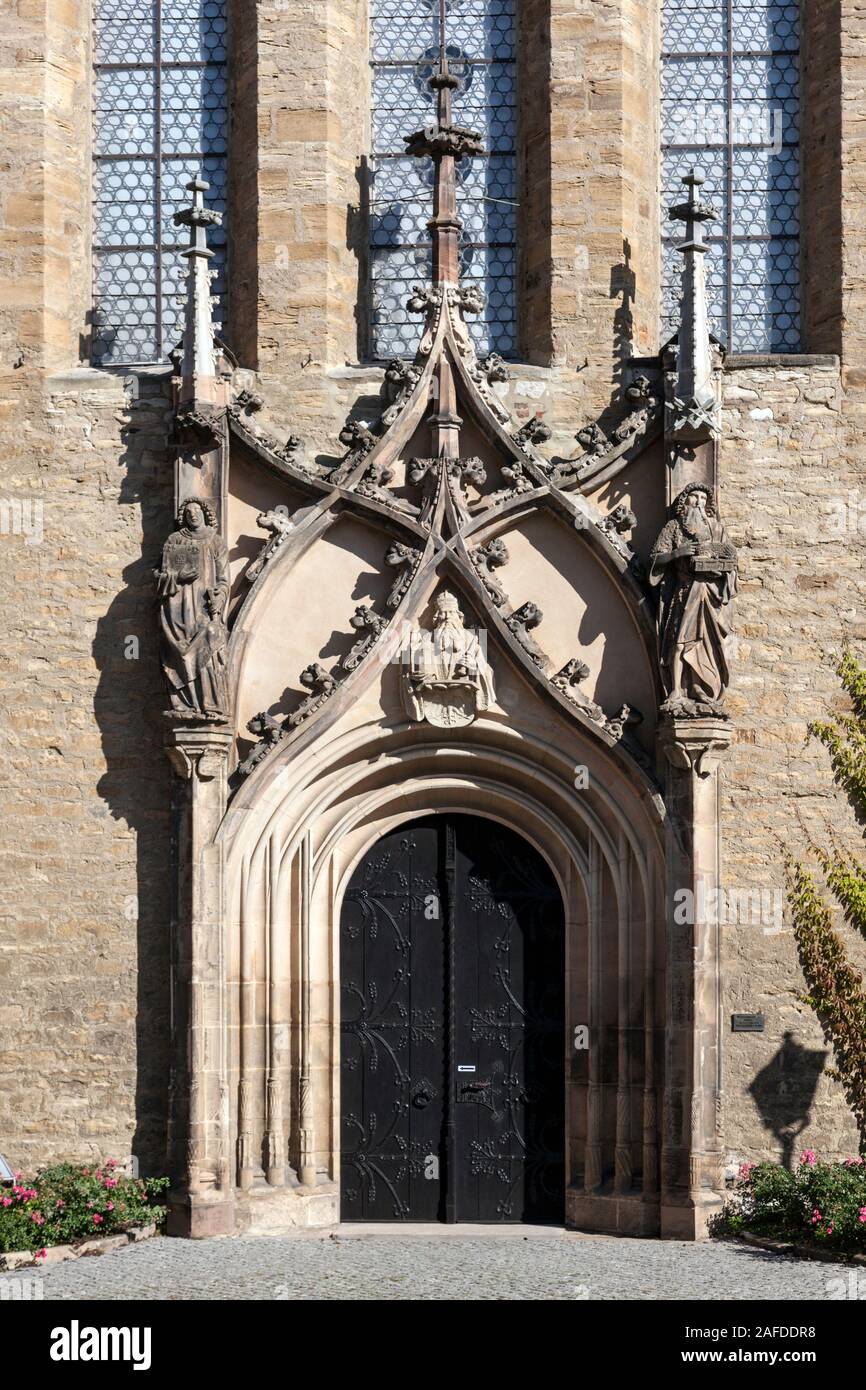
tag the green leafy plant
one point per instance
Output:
(818, 1203)
(834, 987)
(68, 1202)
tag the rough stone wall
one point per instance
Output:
(44, 191)
(84, 832)
(791, 498)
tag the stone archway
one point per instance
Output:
(290, 858)
(643, 1088)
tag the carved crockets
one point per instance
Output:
(446, 678)
(486, 559)
(279, 526)
(695, 566)
(193, 585)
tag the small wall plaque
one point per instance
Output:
(747, 1023)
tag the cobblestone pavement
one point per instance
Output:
(549, 1266)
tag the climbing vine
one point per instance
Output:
(834, 987)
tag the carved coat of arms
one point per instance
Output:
(446, 678)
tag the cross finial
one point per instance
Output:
(695, 403)
(198, 366)
(693, 212)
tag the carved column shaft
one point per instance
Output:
(198, 755)
(691, 1150)
(593, 1155)
(622, 1152)
(246, 1040)
(277, 1030)
(306, 1108)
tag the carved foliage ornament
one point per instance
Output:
(487, 558)
(521, 623)
(407, 559)
(279, 526)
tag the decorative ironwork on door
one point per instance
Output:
(452, 1029)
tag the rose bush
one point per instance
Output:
(68, 1202)
(821, 1203)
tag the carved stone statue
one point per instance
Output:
(696, 566)
(446, 678)
(193, 584)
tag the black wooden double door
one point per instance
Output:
(452, 1028)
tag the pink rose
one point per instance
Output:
(808, 1156)
(97, 1219)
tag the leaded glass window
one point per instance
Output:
(159, 120)
(730, 108)
(479, 40)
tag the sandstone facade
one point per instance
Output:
(87, 830)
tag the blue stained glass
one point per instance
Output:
(730, 108)
(405, 38)
(159, 120)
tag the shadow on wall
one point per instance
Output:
(784, 1092)
(623, 287)
(136, 782)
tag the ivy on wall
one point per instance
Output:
(835, 987)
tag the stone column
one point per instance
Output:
(691, 1163)
(202, 1203)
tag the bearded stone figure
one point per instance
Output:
(193, 584)
(447, 680)
(696, 566)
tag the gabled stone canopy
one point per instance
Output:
(443, 504)
(444, 512)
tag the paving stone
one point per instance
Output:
(343, 1267)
